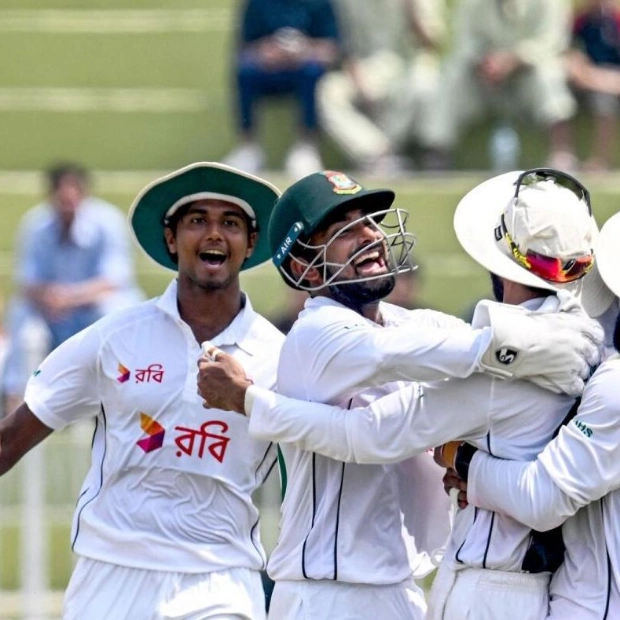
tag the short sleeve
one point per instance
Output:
(66, 386)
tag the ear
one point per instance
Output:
(252, 238)
(313, 276)
(170, 240)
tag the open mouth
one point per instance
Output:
(370, 263)
(213, 258)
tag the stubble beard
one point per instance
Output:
(214, 285)
(356, 295)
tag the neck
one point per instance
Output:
(208, 312)
(515, 294)
(363, 297)
(371, 312)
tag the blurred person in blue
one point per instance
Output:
(506, 60)
(372, 107)
(596, 45)
(73, 265)
(284, 48)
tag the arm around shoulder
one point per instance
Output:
(523, 491)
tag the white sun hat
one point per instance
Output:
(511, 222)
(608, 253)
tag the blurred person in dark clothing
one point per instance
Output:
(594, 64)
(284, 48)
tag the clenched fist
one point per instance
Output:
(222, 381)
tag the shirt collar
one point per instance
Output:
(239, 333)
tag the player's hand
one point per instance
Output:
(556, 346)
(445, 454)
(222, 382)
(454, 486)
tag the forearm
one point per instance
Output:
(313, 426)
(411, 353)
(427, 36)
(324, 51)
(394, 428)
(524, 491)
(70, 294)
(90, 291)
(20, 431)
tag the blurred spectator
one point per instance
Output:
(74, 264)
(284, 48)
(373, 107)
(507, 59)
(594, 66)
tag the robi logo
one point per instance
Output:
(155, 431)
(123, 374)
(506, 356)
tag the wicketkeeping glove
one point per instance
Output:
(555, 347)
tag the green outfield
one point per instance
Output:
(137, 88)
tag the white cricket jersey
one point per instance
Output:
(341, 521)
(510, 419)
(170, 482)
(580, 468)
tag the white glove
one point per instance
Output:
(555, 347)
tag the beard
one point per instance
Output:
(356, 295)
(498, 287)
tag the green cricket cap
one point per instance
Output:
(305, 204)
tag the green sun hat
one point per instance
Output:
(159, 200)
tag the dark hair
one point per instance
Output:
(56, 173)
(617, 334)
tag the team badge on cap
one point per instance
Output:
(342, 183)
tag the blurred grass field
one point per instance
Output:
(450, 280)
(136, 88)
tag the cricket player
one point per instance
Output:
(578, 474)
(342, 552)
(165, 526)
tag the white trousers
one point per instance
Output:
(481, 594)
(402, 93)
(102, 591)
(332, 600)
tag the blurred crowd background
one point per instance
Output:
(98, 98)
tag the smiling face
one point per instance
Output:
(211, 240)
(356, 264)
(354, 242)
